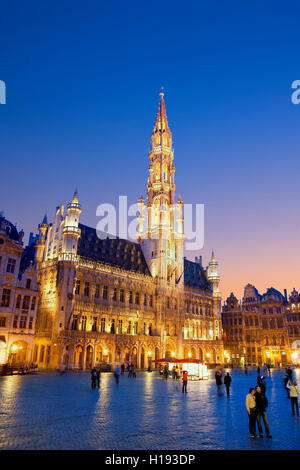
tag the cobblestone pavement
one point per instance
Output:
(49, 411)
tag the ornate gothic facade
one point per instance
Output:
(112, 300)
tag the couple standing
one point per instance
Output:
(219, 383)
(256, 404)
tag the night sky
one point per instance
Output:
(83, 82)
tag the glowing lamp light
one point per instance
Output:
(14, 347)
(149, 353)
(173, 354)
(207, 354)
(105, 352)
(268, 354)
(189, 354)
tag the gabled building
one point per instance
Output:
(18, 296)
(262, 336)
(113, 300)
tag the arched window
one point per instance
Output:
(157, 171)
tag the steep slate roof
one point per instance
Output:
(10, 229)
(273, 293)
(194, 276)
(114, 251)
(27, 258)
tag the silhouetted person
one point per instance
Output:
(261, 405)
(117, 374)
(122, 369)
(261, 383)
(93, 377)
(227, 382)
(98, 377)
(218, 377)
(286, 381)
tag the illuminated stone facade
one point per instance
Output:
(18, 297)
(256, 330)
(114, 301)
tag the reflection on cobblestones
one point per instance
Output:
(48, 411)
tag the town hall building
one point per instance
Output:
(116, 301)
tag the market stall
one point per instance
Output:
(197, 369)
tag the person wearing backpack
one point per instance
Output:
(261, 405)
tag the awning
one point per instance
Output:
(189, 360)
(166, 359)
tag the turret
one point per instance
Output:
(71, 231)
(41, 242)
(213, 275)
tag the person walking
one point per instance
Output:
(261, 405)
(218, 377)
(265, 370)
(130, 367)
(286, 381)
(184, 381)
(98, 377)
(252, 412)
(227, 382)
(258, 370)
(292, 386)
(246, 369)
(166, 372)
(261, 383)
(93, 377)
(122, 369)
(117, 374)
(289, 372)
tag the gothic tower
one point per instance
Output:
(161, 241)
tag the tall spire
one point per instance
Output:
(75, 199)
(161, 135)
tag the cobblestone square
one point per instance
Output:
(49, 411)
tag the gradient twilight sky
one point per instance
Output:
(83, 80)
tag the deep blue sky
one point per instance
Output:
(82, 91)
